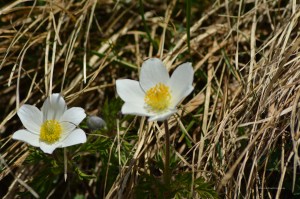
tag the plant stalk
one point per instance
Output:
(167, 155)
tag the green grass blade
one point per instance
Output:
(188, 23)
(142, 12)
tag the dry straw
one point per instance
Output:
(246, 112)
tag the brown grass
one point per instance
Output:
(246, 112)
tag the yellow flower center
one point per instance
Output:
(50, 131)
(158, 97)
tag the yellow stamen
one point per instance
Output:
(50, 131)
(158, 97)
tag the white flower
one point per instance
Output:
(156, 94)
(51, 127)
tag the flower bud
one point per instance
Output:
(95, 122)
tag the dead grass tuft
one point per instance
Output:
(240, 130)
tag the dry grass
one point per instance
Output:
(242, 121)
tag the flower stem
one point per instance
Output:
(167, 155)
(65, 164)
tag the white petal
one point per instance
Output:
(67, 127)
(130, 91)
(181, 82)
(54, 107)
(31, 117)
(153, 72)
(73, 115)
(75, 137)
(162, 116)
(26, 136)
(49, 148)
(135, 109)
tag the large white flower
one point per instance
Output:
(156, 94)
(51, 127)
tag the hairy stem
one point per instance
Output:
(167, 155)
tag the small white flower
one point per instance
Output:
(51, 127)
(156, 94)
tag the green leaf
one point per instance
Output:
(83, 176)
